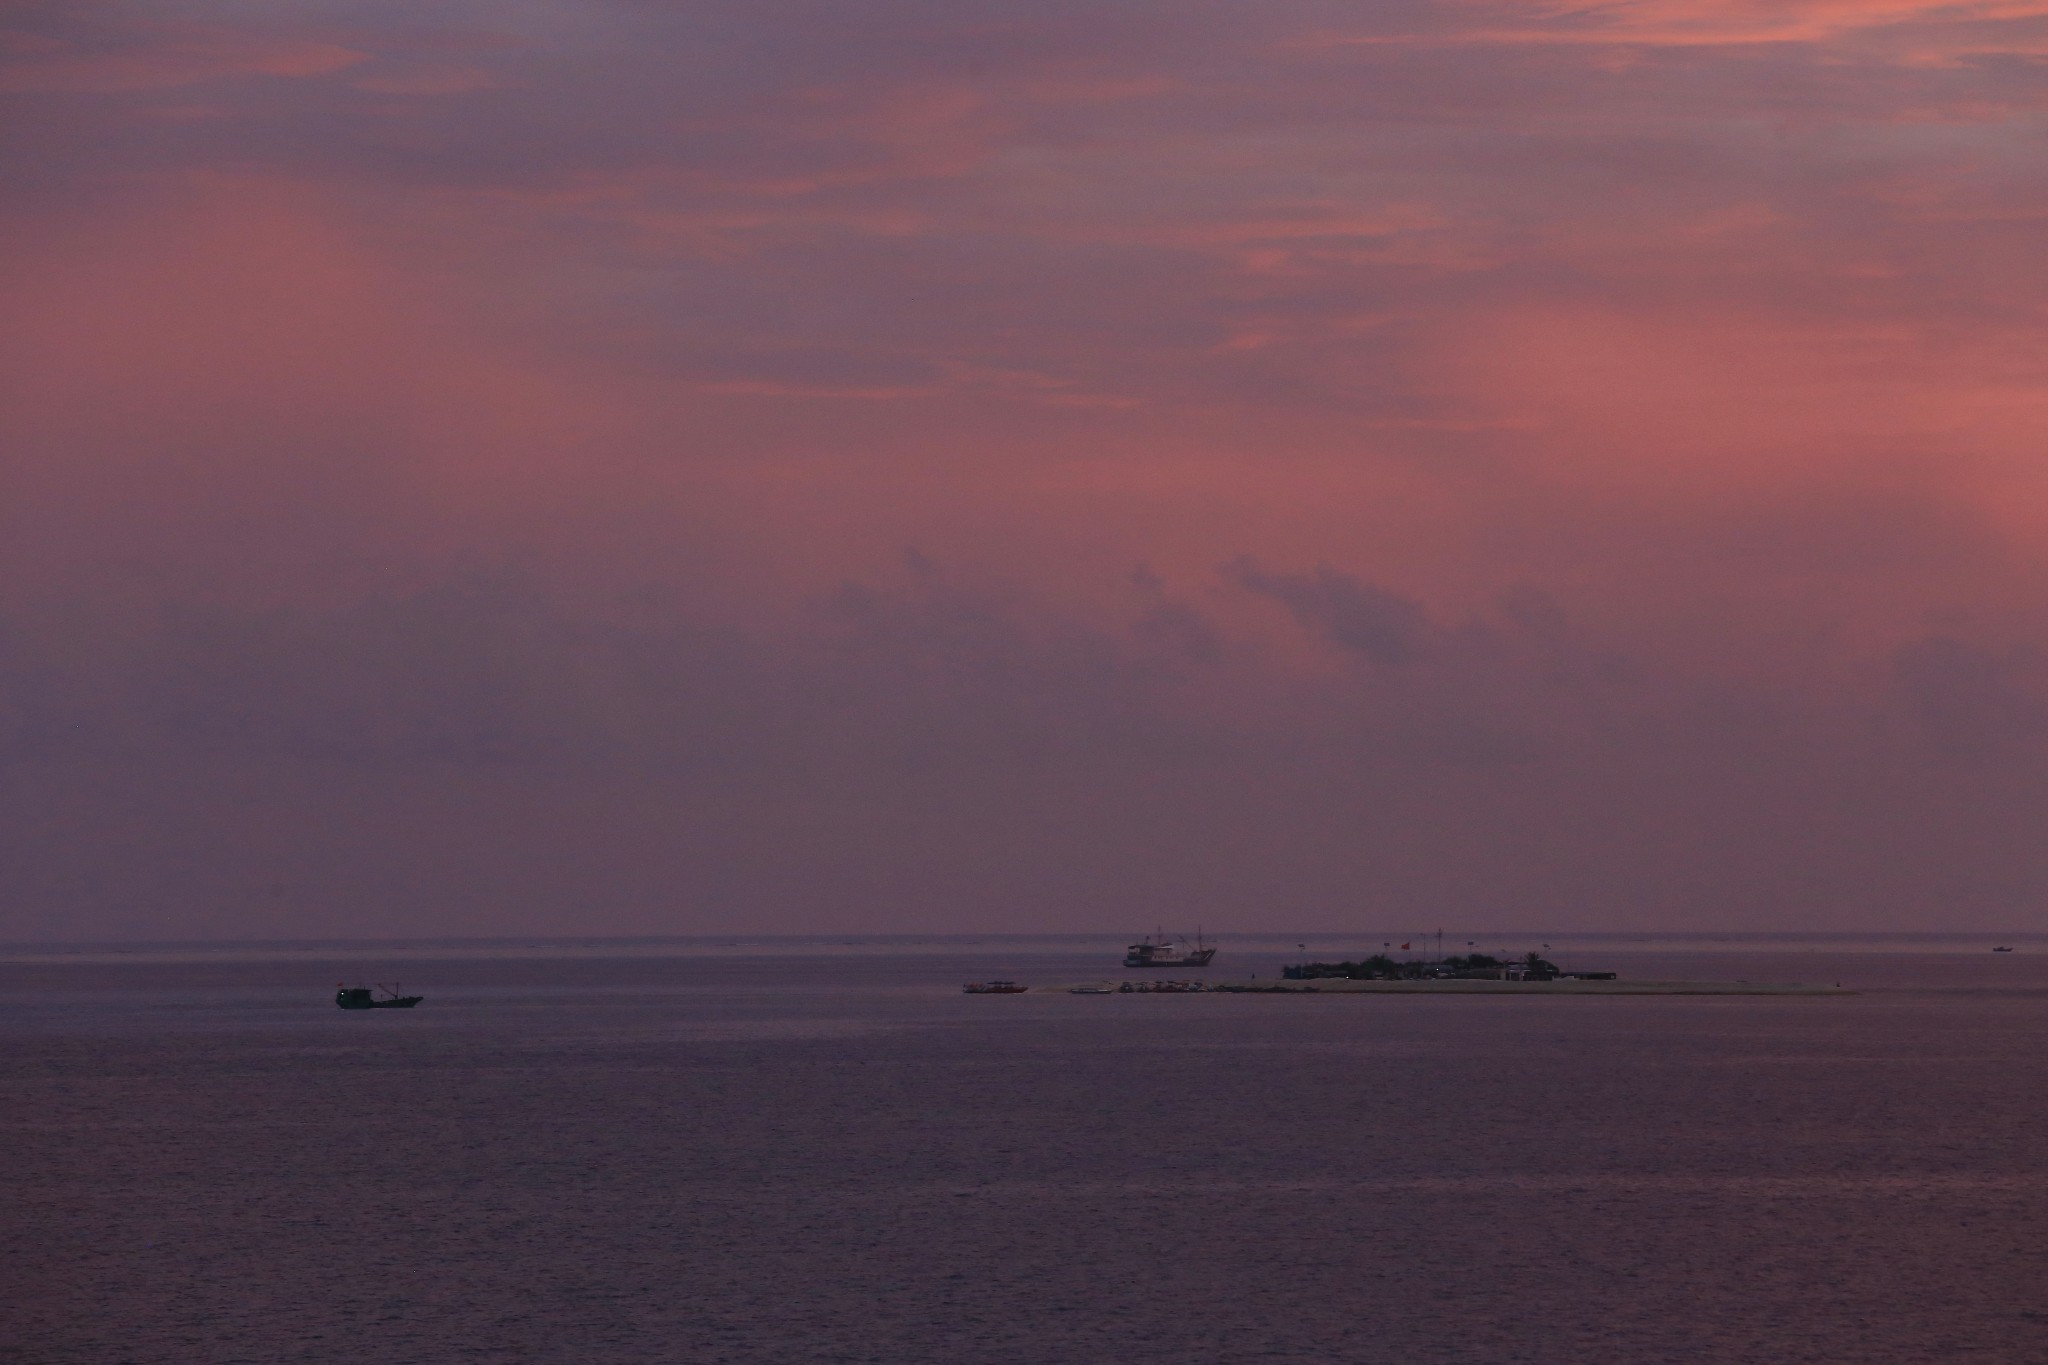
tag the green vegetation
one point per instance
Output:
(1380, 967)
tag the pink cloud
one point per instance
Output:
(429, 80)
(167, 59)
(562, 403)
(1719, 23)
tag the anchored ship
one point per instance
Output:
(361, 998)
(1161, 951)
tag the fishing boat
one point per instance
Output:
(994, 988)
(1161, 951)
(1092, 988)
(2001, 949)
(363, 998)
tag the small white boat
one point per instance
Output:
(1092, 988)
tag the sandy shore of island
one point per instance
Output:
(1341, 986)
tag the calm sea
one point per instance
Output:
(728, 1150)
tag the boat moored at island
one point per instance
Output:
(1161, 951)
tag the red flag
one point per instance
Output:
(1404, 947)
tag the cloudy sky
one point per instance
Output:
(644, 466)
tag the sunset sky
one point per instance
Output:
(619, 466)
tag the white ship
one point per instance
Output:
(1161, 951)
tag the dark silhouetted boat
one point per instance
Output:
(994, 988)
(2001, 949)
(363, 998)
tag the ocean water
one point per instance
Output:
(821, 1151)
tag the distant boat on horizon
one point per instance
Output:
(1161, 951)
(2001, 949)
(362, 998)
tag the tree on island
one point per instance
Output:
(1380, 967)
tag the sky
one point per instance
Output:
(620, 467)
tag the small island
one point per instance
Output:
(1481, 974)
(1471, 967)
(1471, 974)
